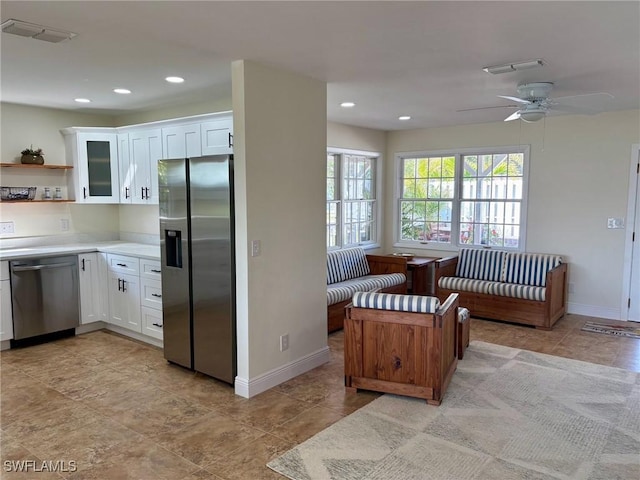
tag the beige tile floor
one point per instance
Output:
(119, 411)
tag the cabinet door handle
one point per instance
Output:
(124, 283)
(119, 285)
(156, 271)
(121, 264)
(148, 197)
(159, 325)
(83, 265)
(84, 192)
(156, 295)
(230, 140)
(126, 192)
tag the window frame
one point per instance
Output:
(339, 154)
(458, 153)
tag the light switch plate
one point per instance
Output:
(615, 222)
(255, 248)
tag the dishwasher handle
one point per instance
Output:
(41, 267)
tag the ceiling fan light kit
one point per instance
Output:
(514, 67)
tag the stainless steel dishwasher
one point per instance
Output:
(45, 295)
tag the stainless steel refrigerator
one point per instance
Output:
(198, 264)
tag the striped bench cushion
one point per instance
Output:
(397, 302)
(346, 264)
(480, 264)
(342, 291)
(513, 290)
(464, 284)
(528, 268)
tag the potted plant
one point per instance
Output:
(29, 155)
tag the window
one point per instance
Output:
(470, 197)
(351, 199)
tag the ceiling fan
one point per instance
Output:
(533, 102)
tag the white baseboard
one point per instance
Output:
(248, 388)
(5, 345)
(593, 311)
(135, 335)
(90, 327)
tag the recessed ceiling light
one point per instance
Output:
(174, 79)
(122, 91)
(404, 117)
(83, 100)
(347, 104)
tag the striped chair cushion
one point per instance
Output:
(397, 302)
(464, 284)
(342, 291)
(518, 291)
(480, 264)
(346, 264)
(529, 268)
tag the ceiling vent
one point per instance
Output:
(39, 32)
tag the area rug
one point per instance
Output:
(508, 414)
(632, 331)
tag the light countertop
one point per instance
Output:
(140, 250)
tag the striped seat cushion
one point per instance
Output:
(513, 290)
(397, 302)
(464, 284)
(346, 264)
(480, 264)
(528, 268)
(342, 291)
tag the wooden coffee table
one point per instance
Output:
(421, 275)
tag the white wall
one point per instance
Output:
(280, 149)
(206, 106)
(579, 176)
(340, 135)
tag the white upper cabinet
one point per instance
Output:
(94, 154)
(145, 149)
(120, 165)
(125, 169)
(181, 141)
(217, 136)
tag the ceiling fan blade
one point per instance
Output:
(486, 108)
(585, 104)
(515, 99)
(513, 116)
(573, 109)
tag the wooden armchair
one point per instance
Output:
(401, 344)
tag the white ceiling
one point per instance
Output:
(422, 59)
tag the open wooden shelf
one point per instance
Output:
(29, 165)
(34, 201)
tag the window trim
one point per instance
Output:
(455, 211)
(378, 210)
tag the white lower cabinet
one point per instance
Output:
(93, 287)
(6, 315)
(135, 294)
(151, 298)
(124, 301)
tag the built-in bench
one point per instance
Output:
(352, 270)
(526, 288)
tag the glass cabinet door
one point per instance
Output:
(98, 164)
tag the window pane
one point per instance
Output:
(409, 168)
(448, 187)
(470, 166)
(409, 188)
(435, 167)
(423, 168)
(449, 167)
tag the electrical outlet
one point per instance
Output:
(7, 228)
(64, 224)
(255, 248)
(284, 342)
